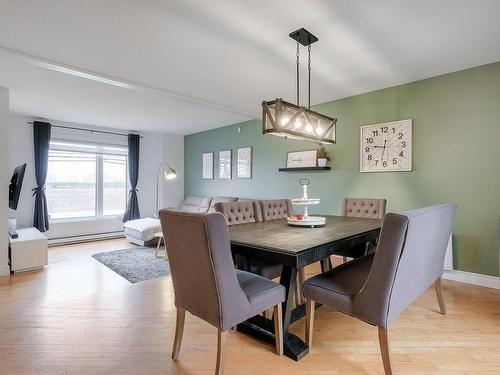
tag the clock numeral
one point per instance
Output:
(367, 149)
(403, 144)
(401, 154)
(376, 162)
(384, 164)
(394, 161)
(384, 129)
(393, 130)
(375, 133)
(400, 136)
(369, 140)
(369, 157)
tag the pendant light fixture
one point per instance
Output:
(294, 121)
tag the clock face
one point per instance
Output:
(386, 147)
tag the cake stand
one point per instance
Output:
(307, 221)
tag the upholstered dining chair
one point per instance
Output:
(370, 208)
(378, 287)
(248, 211)
(206, 283)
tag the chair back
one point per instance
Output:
(203, 275)
(216, 200)
(409, 258)
(273, 209)
(239, 212)
(369, 208)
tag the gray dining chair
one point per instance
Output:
(248, 211)
(206, 283)
(378, 287)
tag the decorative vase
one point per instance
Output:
(322, 162)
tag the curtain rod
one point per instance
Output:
(87, 130)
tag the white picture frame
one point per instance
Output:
(225, 165)
(302, 159)
(244, 162)
(207, 166)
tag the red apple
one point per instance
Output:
(299, 217)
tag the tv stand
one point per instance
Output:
(13, 233)
(28, 251)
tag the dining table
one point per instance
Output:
(295, 247)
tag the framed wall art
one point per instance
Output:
(225, 164)
(302, 159)
(207, 166)
(244, 162)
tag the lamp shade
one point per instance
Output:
(170, 173)
(288, 120)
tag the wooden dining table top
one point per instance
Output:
(278, 236)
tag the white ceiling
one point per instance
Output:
(191, 65)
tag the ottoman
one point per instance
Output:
(142, 231)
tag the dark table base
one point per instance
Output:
(263, 329)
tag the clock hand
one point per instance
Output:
(383, 150)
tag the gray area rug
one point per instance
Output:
(136, 264)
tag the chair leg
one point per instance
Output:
(439, 293)
(383, 340)
(310, 308)
(278, 329)
(179, 330)
(158, 247)
(221, 348)
(268, 314)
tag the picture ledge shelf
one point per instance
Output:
(303, 169)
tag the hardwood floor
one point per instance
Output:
(79, 317)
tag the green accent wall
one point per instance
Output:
(456, 158)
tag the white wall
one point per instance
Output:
(4, 180)
(154, 148)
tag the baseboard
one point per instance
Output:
(472, 278)
(85, 238)
(4, 270)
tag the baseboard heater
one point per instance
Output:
(85, 238)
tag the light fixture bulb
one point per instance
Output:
(297, 124)
(284, 121)
(319, 130)
(309, 128)
(170, 173)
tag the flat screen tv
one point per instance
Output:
(16, 183)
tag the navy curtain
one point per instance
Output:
(132, 210)
(41, 137)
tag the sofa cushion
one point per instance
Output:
(195, 204)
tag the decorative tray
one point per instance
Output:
(310, 221)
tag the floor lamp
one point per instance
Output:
(169, 173)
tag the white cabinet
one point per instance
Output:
(28, 251)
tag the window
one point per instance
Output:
(86, 180)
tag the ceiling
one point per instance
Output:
(185, 66)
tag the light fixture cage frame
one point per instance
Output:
(275, 111)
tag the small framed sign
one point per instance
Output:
(244, 162)
(225, 164)
(301, 159)
(208, 166)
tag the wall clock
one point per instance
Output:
(386, 147)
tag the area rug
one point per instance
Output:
(136, 264)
